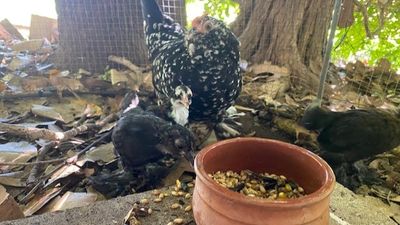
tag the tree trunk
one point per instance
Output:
(286, 32)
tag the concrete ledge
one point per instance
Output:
(346, 209)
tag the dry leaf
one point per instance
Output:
(40, 200)
(130, 218)
(275, 86)
(17, 147)
(11, 179)
(104, 153)
(107, 127)
(92, 110)
(64, 83)
(396, 199)
(3, 86)
(54, 72)
(70, 110)
(47, 112)
(132, 79)
(31, 84)
(63, 172)
(91, 83)
(31, 45)
(9, 209)
(91, 190)
(20, 62)
(34, 125)
(291, 101)
(118, 76)
(267, 67)
(16, 152)
(181, 166)
(69, 172)
(113, 103)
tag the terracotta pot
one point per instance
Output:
(216, 205)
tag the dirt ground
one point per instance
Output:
(346, 209)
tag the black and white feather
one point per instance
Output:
(206, 59)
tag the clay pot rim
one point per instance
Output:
(321, 193)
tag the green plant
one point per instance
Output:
(374, 33)
(221, 9)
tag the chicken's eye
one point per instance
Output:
(208, 26)
(179, 144)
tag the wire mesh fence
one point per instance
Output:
(87, 32)
(92, 30)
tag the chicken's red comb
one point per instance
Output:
(197, 21)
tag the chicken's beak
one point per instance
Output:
(185, 101)
(189, 156)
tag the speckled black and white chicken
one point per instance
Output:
(205, 58)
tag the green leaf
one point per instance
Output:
(221, 9)
(353, 41)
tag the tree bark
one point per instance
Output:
(287, 33)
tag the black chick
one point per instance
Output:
(147, 146)
(140, 137)
(206, 59)
(353, 135)
(346, 137)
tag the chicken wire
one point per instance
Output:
(91, 30)
(354, 83)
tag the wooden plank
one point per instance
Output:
(11, 30)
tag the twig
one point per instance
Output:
(36, 168)
(18, 118)
(54, 93)
(364, 11)
(30, 194)
(125, 62)
(388, 197)
(259, 78)
(104, 136)
(107, 119)
(40, 183)
(34, 163)
(64, 160)
(394, 220)
(246, 109)
(382, 18)
(189, 222)
(38, 133)
(341, 40)
(31, 133)
(73, 93)
(83, 118)
(78, 130)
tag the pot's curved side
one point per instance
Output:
(215, 205)
(212, 209)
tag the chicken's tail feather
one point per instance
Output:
(151, 12)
